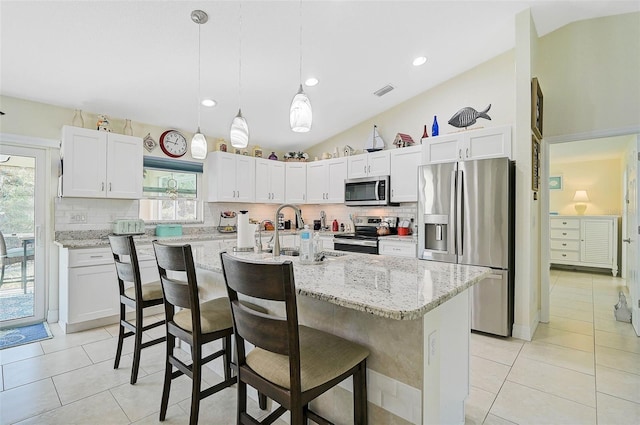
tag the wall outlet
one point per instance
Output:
(433, 346)
(79, 218)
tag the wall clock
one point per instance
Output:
(173, 143)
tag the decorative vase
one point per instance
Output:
(434, 128)
(424, 134)
(77, 121)
(127, 128)
(273, 156)
(103, 123)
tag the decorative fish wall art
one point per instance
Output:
(468, 116)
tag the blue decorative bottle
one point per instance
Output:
(434, 128)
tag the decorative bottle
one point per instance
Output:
(434, 127)
(424, 134)
(127, 128)
(77, 121)
(334, 226)
(273, 156)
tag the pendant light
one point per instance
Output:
(199, 146)
(239, 133)
(300, 114)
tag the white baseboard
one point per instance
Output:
(526, 332)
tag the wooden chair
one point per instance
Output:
(138, 297)
(291, 364)
(196, 324)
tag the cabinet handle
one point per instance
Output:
(467, 152)
(102, 187)
(365, 169)
(564, 255)
(238, 194)
(564, 222)
(369, 169)
(95, 256)
(564, 244)
(109, 186)
(564, 234)
(460, 153)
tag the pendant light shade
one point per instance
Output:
(300, 114)
(199, 146)
(239, 133)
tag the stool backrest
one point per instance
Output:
(267, 281)
(126, 260)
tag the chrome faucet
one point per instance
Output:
(260, 234)
(276, 241)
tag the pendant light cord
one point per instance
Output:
(199, 81)
(240, 59)
(300, 12)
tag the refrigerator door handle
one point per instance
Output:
(459, 213)
(494, 276)
(453, 213)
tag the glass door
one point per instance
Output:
(22, 183)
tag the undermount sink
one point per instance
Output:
(291, 252)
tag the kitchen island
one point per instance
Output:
(413, 315)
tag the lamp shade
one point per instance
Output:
(300, 114)
(239, 134)
(581, 196)
(199, 146)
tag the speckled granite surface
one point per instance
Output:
(391, 287)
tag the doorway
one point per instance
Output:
(22, 200)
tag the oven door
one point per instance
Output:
(356, 245)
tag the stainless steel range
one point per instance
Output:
(365, 236)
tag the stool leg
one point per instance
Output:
(196, 356)
(137, 349)
(226, 358)
(166, 388)
(242, 400)
(116, 363)
(360, 394)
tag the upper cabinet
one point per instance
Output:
(404, 173)
(369, 164)
(270, 181)
(494, 142)
(99, 164)
(230, 177)
(325, 181)
(296, 183)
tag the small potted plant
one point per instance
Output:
(296, 157)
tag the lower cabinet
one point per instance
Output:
(89, 294)
(398, 248)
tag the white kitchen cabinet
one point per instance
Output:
(230, 177)
(398, 248)
(88, 287)
(369, 164)
(325, 181)
(404, 173)
(587, 241)
(99, 164)
(270, 181)
(493, 142)
(295, 183)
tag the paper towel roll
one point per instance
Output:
(245, 235)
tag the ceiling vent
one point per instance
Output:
(384, 90)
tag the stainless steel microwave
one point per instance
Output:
(367, 191)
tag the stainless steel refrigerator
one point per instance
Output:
(466, 215)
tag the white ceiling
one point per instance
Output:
(138, 59)
(590, 150)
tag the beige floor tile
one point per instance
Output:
(568, 358)
(571, 325)
(496, 420)
(617, 383)
(617, 341)
(615, 411)
(549, 335)
(565, 383)
(618, 359)
(143, 399)
(96, 410)
(487, 374)
(45, 366)
(105, 349)
(28, 400)
(558, 301)
(523, 405)
(569, 312)
(93, 379)
(500, 350)
(477, 405)
(21, 352)
(175, 416)
(564, 296)
(62, 341)
(610, 325)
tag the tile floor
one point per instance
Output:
(581, 368)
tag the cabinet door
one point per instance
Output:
(84, 162)
(486, 143)
(221, 177)
(442, 149)
(337, 169)
(245, 178)
(379, 163)
(124, 167)
(277, 179)
(357, 166)
(597, 239)
(263, 186)
(404, 174)
(317, 182)
(93, 293)
(296, 182)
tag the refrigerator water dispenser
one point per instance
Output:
(436, 231)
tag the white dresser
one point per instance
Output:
(587, 241)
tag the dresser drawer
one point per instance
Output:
(565, 223)
(565, 234)
(558, 255)
(567, 245)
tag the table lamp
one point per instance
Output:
(580, 197)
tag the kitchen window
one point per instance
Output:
(171, 191)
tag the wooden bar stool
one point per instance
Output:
(291, 364)
(196, 324)
(138, 297)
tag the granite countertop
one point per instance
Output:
(391, 287)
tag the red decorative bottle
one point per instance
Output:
(424, 135)
(334, 227)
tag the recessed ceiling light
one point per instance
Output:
(208, 102)
(420, 60)
(310, 82)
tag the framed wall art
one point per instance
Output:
(536, 108)
(535, 164)
(555, 182)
